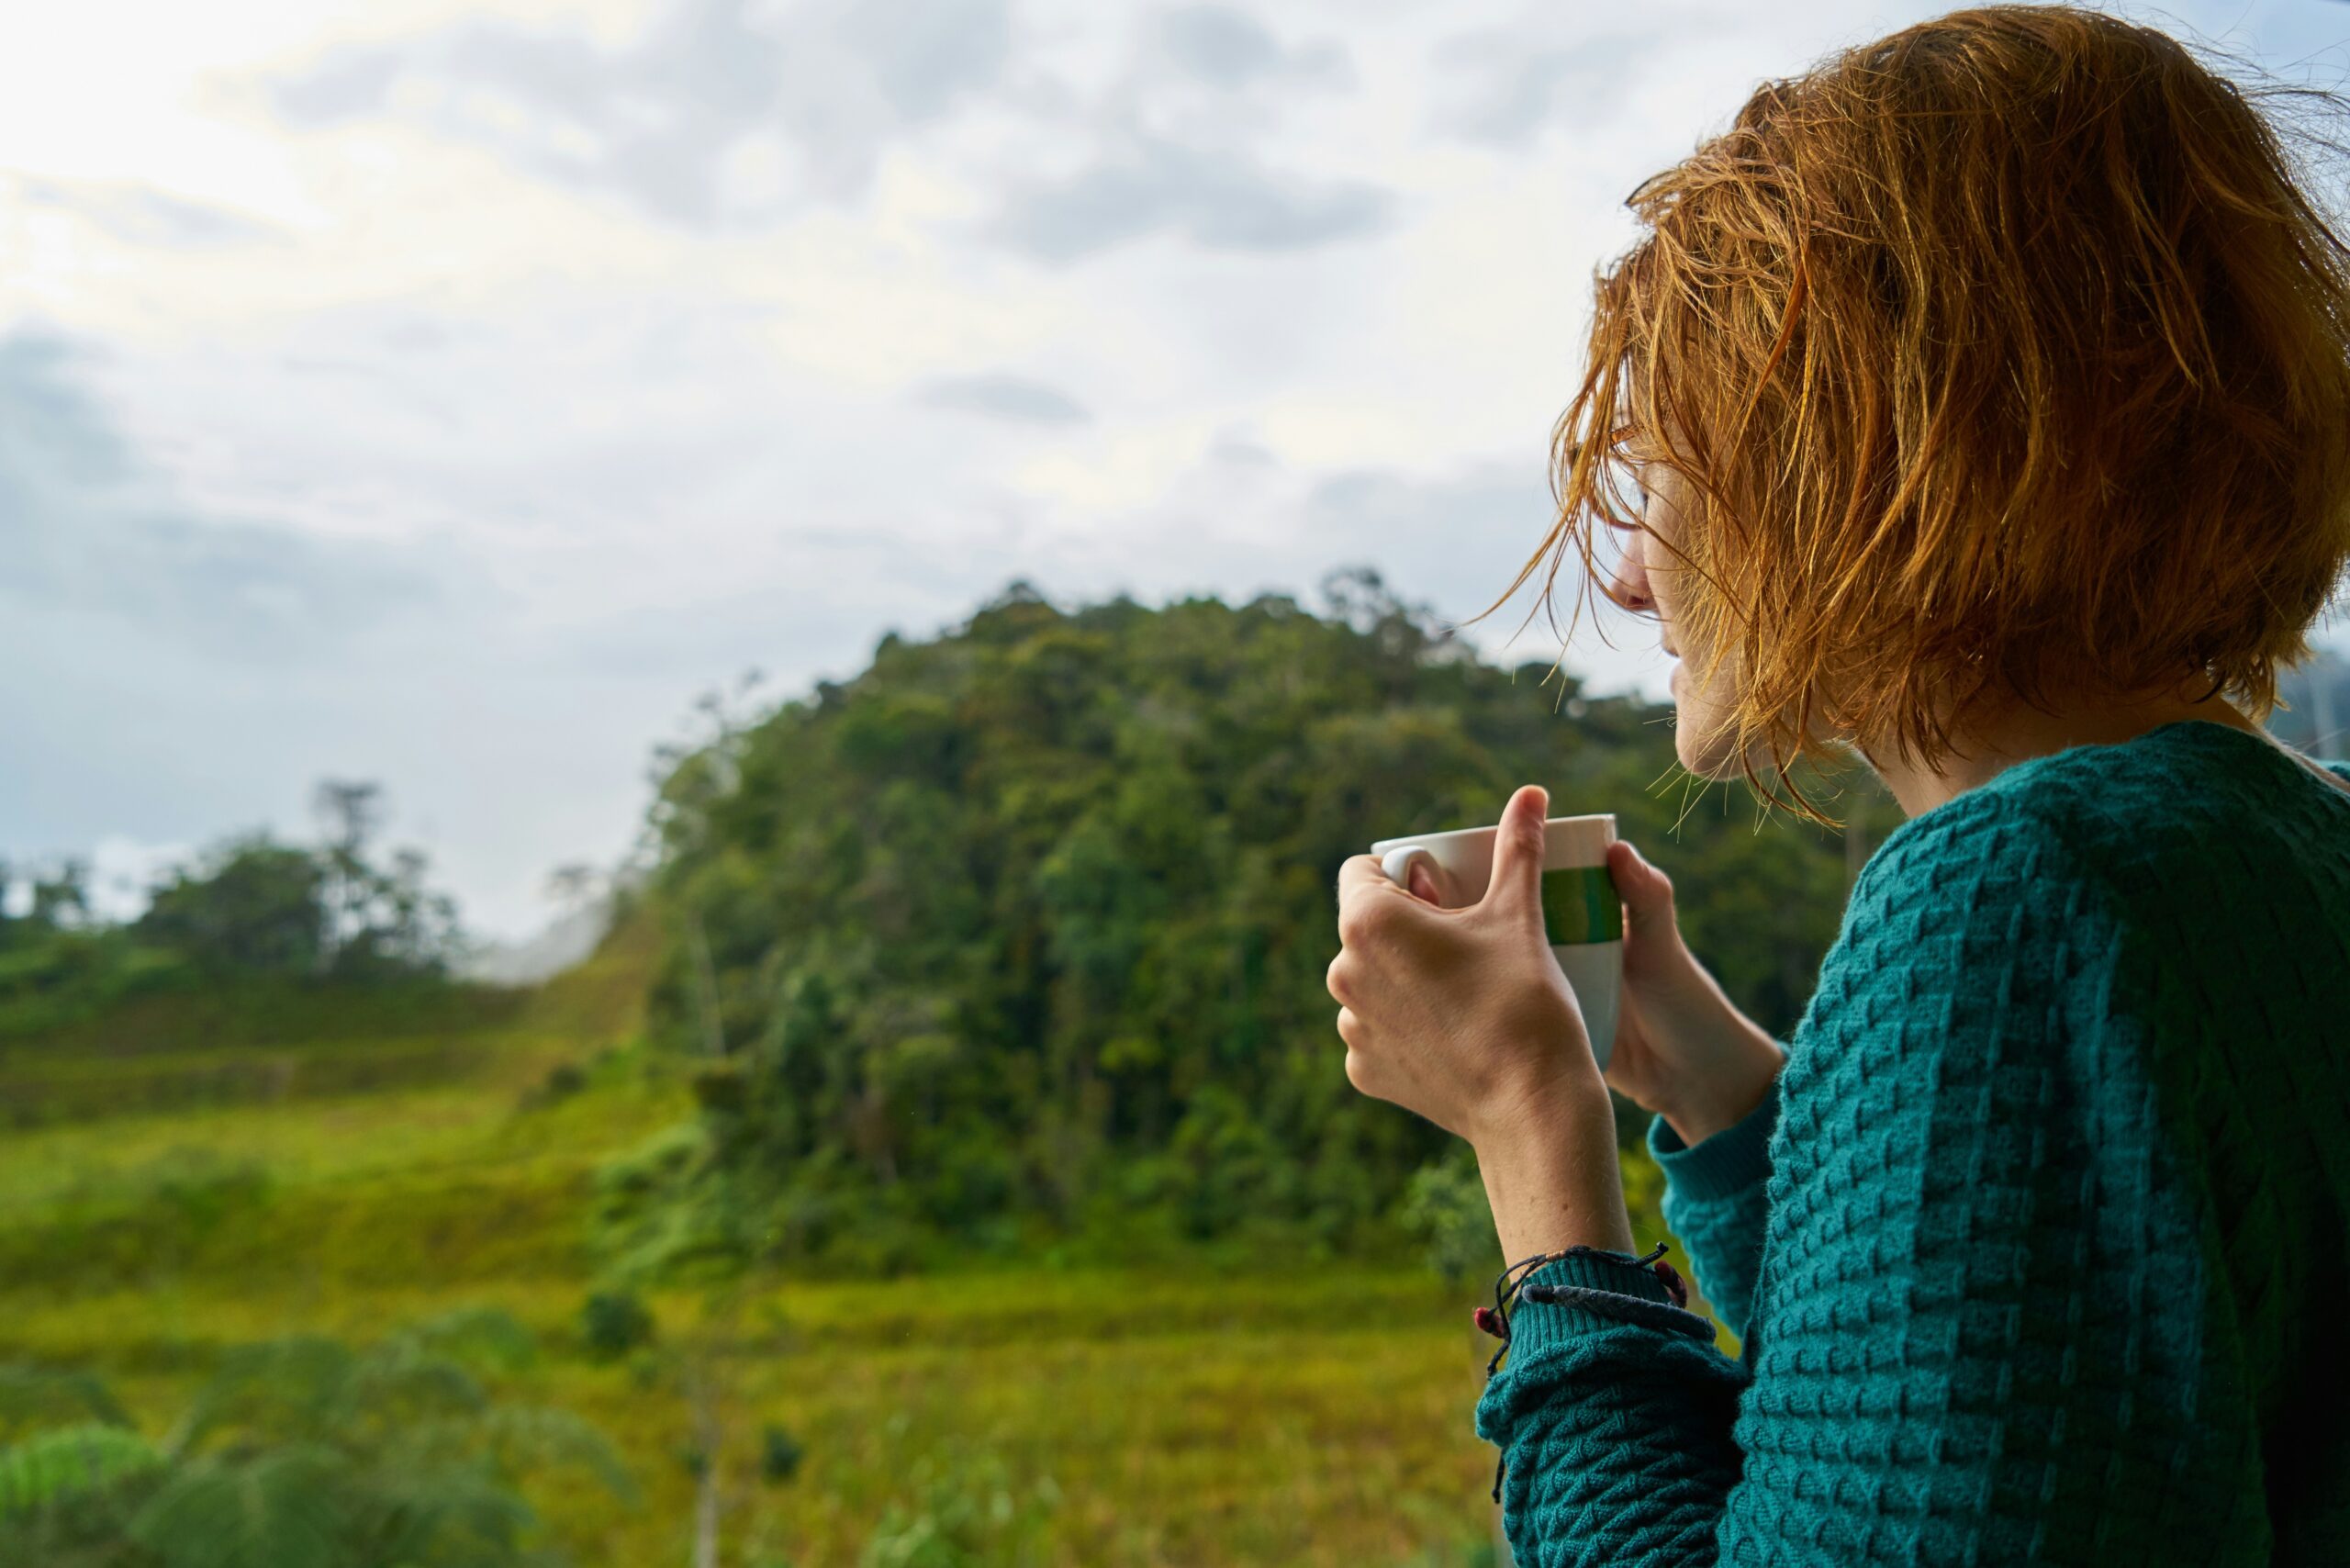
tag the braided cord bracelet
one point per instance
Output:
(1509, 1286)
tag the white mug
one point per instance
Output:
(1581, 910)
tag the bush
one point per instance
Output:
(613, 1323)
(562, 1080)
(779, 1455)
(1444, 1205)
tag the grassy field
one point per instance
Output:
(157, 1206)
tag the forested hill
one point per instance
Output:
(1031, 920)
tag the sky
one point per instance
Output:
(448, 394)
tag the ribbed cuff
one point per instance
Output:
(1725, 1164)
(1535, 1323)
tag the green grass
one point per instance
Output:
(1186, 1412)
(1315, 1419)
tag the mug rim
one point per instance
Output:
(1454, 835)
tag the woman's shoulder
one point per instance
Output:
(2030, 830)
(2184, 875)
(2146, 820)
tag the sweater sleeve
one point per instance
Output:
(1713, 1191)
(1935, 1373)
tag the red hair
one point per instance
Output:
(2003, 354)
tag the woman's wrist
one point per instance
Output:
(1551, 1175)
(1729, 1094)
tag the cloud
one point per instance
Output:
(1506, 88)
(1456, 535)
(1230, 48)
(91, 531)
(344, 85)
(1175, 145)
(724, 113)
(1222, 200)
(1235, 449)
(141, 214)
(1006, 398)
(690, 121)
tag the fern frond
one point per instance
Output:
(481, 1336)
(50, 1467)
(293, 1389)
(532, 1437)
(283, 1509)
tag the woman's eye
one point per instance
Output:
(1637, 499)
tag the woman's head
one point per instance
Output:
(1999, 360)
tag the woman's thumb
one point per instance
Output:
(1519, 850)
(1646, 892)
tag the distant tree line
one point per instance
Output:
(250, 907)
(1031, 920)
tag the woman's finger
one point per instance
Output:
(1367, 901)
(1359, 875)
(1646, 892)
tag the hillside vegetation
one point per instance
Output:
(1026, 926)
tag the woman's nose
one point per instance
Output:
(1630, 585)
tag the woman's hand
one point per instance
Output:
(1462, 1014)
(1682, 1049)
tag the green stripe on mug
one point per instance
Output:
(1580, 904)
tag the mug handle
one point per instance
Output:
(1397, 864)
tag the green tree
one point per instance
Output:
(250, 906)
(61, 899)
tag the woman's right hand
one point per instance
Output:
(1681, 1049)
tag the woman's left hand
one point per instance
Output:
(1462, 1014)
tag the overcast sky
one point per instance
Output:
(447, 394)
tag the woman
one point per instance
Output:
(1987, 394)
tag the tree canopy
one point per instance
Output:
(1034, 917)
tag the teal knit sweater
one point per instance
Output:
(2037, 1248)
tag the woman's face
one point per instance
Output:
(1650, 580)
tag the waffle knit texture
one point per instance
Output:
(2036, 1249)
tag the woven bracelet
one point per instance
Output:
(1635, 1309)
(1510, 1285)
